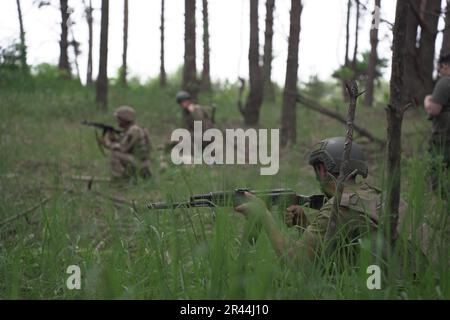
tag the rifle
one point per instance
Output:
(278, 197)
(104, 127)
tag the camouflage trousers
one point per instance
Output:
(126, 166)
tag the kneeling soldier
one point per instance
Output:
(130, 151)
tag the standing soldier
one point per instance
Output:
(129, 151)
(193, 112)
(437, 106)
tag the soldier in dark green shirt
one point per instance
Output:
(437, 106)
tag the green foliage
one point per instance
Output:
(359, 72)
(182, 254)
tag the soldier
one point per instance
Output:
(129, 151)
(193, 112)
(437, 106)
(358, 211)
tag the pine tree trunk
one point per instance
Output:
(64, 64)
(347, 33)
(90, 22)
(206, 77)
(124, 70)
(268, 54)
(427, 44)
(254, 101)
(102, 80)
(288, 115)
(411, 59)
(162, 70)
(190, 69)
(23, 45)
(395, 112)
(355, 49)
(372, 67)
(445, 49)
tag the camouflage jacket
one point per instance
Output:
(134, 141)
(198, 114)
(359, 214)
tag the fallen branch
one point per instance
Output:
(24, 213)
(316, 107)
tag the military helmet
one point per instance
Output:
(125, 113)
(330, 152)
(183, 95)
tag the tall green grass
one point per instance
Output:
(182, 254)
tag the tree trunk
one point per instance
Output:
(345, 96)
(269, 92)
(124, 71)
(23, 45)
(411, 58)
(206, 77)
(445, 49)
(90, 22)
(288, 113)
(427, 44)
(253, 104)
(162, 70)
(395, 112)
(372, 67)
(64, 64)
(347, 32)
(190, 69)
(102, 80)
(355, 49)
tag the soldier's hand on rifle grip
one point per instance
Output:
(254, 206)
(295, 216)
(109, 137)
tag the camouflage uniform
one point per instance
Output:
(130, 153)
(198, 114)
(440, 137)
(358, 215)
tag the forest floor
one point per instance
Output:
(182, 254)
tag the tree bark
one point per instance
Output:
(162, 70)
(254, 101)
(395, 112)
(430, 17)
(124, 69)
(344, 171)
(23, 45)
(372, 67)
(347, 33)
(355, 49)
(90, 22)
(102, 80)
(445, 49)
(269, 92)
(411, 58)
(64, 64)
(190, 69)
(288, 114)
(206, 77)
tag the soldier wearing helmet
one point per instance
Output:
(359, 209)
(193, 112)
(131, 150)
